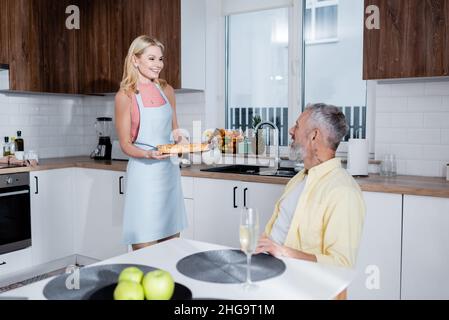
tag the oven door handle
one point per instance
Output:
(13, 193)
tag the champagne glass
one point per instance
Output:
(249, 234)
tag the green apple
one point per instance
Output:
(158, 285)
(129, 290)
(132, 274)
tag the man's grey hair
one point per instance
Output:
(329, 119)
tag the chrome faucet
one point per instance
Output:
(277, 161)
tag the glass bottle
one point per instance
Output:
(19, 142)
(6, 147)
(12, 146)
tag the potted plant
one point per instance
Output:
(258, 138)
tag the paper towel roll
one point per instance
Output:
(358, 157)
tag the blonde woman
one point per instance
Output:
(145, 112)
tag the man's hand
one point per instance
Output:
(267, 245)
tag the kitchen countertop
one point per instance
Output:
(301, 279)
(410, 185)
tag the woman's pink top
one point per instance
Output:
(151, 98)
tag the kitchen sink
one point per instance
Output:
(254, 170)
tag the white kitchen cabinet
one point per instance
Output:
(187, 190)
(189, 232)
(52, 225)
(425, 255)
(193, 44)
(216, 219)
(187, 187)
(98, 213)
(263, 197)
(218, 204)
(379, 257)
(14, 261)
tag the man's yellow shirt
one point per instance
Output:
(329, 215)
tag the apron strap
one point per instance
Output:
(139, 102)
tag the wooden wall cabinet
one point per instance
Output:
(108, 37)
(25, 58)
(4, 32)
(413, 40)
(61, 53)
(45, 56)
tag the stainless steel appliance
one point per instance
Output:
(103, 125)
(15, 212)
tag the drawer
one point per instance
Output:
(14, 261)
(187, 187)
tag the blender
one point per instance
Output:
(103, 126)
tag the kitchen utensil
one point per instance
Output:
(249, 234)
(103, 126)
(358, 157)
(146, 145)
(19, 155)
(30, 156)
(388, 166)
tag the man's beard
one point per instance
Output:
(297, 152)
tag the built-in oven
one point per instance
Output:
(15, 212)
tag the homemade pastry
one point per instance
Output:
(182, 148)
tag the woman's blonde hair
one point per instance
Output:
(130, 73)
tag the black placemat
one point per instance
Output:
(90, 280)
(229, 266)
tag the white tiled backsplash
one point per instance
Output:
(62, 125)
(412, 121)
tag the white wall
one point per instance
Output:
(214, 99)
(51, 125)
(412, 121)
(63, 125)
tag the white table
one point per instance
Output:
(301, 279)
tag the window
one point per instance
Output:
(257, 70)
(333, 71)
(279, 60)
(321, 21)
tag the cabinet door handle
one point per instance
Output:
(244, 197)
(235, 206)
(2, 264)
(120, 185)
(37, 185)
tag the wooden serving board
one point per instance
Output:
(182, 148)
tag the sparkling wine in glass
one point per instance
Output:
(249, 235)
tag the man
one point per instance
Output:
(320, 215)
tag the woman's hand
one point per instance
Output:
(179, 137)
(156, 155)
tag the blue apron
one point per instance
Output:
(154, 203)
